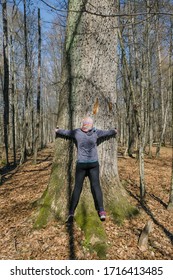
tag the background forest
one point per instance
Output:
(31, 50)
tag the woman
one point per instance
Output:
(86, 139)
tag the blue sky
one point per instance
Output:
(48, 13)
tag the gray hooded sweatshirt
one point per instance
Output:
(86, 142)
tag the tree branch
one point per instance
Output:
(108, 15)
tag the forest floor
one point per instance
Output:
(25, 184)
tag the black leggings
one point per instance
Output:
(92, 171)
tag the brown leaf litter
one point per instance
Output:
(24, 185)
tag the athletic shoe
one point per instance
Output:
(102, 215)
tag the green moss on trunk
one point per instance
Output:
(54, 200)
(122, 210)
(43, 213)
(95, 236)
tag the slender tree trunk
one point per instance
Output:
(163, 113)
(6, 78)
(170, 204)
(26, 90)
(13, 101)
(37, 136)
(42, 110)
(85, 82)
(149, 104)
(137, 118)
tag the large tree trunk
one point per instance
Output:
(88, 87)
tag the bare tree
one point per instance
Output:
(26, 95)
(162, 92)
(6, 77)
(87, 88)
(38, 119)
(170, 204)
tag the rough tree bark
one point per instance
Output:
(88, 86)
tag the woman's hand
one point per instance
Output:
(56, 129)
